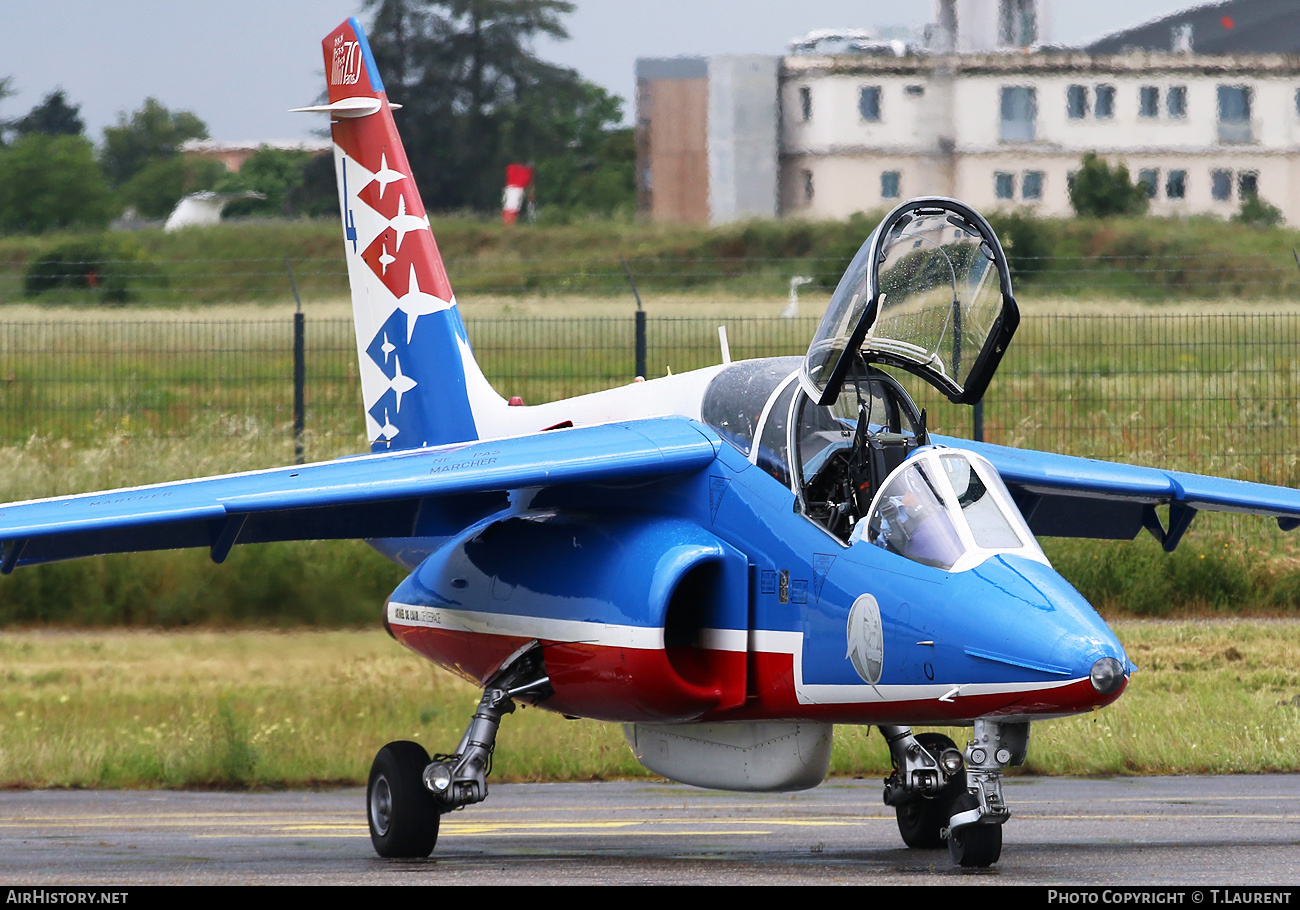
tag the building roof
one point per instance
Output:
(216, 147)
(1232, 27)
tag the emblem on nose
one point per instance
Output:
(866, 639)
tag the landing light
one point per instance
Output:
(437, 777)
(951, 761)
(1107, 675)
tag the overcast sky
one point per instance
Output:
(240, 64)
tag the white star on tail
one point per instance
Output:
(388, 431)
(400, 384)
(385, 258)
(387, 347)
(403, 223)
(386, 175)
(415, 303)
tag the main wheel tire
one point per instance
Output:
(922, 820)
(402, 812)
(974, 846)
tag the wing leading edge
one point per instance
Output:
(421, 492)
(1068, 496)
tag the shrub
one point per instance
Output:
(1024, 240)
(1100, 191)
(1256, 212)
(105, 269)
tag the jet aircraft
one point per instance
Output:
(729, 562)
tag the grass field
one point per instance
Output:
(273, 709)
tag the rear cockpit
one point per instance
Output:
(833, 458)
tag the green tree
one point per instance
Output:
(155, 189)
(582, 164)
(49, 182)
(476, 98)
(281, 176)
(149, 133)
(6, 89)
(53, 117)
(1100, 191)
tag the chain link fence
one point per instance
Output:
(1213, 393)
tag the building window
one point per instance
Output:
(1148, 101)
(1031, 185)
(1176, 185)
(1221, 185)
(889, 184)
(1149, 179)
(1176, 102)
(807, 186)
(869, 103)
(916, 91)
(1004, 185)
(1017, 23)
(1104, 107)
(1019, 111)
(1247, 185)
(1297, 101)
(1234, 113)
(1076, 102)
(805, 103)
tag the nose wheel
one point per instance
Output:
(973, 846)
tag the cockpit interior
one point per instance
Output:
(927, 293)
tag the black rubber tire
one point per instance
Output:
(921, 820)
(974, 846)
(402, 813)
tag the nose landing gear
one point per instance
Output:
(939, 794)
(975, 829)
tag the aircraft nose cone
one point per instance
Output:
(1054, 626)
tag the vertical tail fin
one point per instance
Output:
(418, 375)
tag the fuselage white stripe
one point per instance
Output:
(576, 630)
(609, 635)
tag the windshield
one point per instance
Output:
(948, 509)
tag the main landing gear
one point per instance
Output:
(409, 792)
(941, 794)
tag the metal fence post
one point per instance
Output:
(640, 322)
(299, 382)
(640, 343)
(299, 370)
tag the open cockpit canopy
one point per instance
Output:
(930, 293)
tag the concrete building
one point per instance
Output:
(707, 141)
(982, 106)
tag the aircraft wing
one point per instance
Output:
(408, 493)
(1067, 496)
